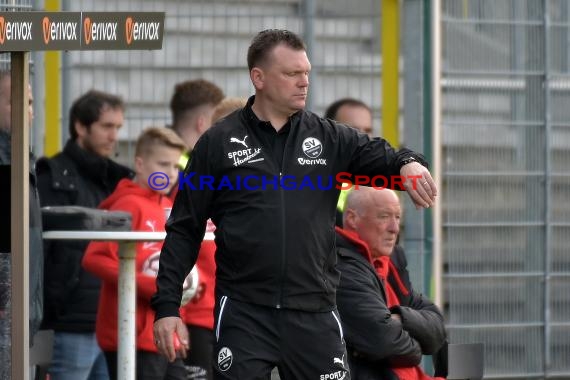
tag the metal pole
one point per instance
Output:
(66, 86)
(309, 19)
(20, 217)
(547, 187)
(436, 149)
(38, 90)
(412, 45)
(126, 355)
(390, 71)
(427, 91)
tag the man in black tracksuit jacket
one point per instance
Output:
(276, 275)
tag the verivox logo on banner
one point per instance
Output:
(122, 30)
(60, 31)
(14, 30)
(139, 31)
(99, 30)
(25, 31)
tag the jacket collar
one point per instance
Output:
(346, 239)
(253, 120)
(350, 240)
(89, 163)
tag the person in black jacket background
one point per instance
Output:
(275, 278)
(81, 175)
(388, 326)
(352, 112)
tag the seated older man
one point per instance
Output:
(387, 325)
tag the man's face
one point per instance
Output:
(6, 104)
(285, 79)
(161, 159)
(379, 224)
(101, 137)
(357, 117)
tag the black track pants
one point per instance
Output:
(251, 340)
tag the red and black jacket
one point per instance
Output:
(375, 342)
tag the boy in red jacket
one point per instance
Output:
(157, 150)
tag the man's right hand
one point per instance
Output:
(164, 330)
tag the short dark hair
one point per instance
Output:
(191, 94)
(87, 109)
(266, 40)
(332, 110)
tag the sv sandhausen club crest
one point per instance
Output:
(225, 358)
(312, 147)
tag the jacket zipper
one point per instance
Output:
(283, 229)
(282, 272)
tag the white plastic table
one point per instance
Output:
(126, 355)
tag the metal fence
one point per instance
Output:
(506, 144)
(209, 39)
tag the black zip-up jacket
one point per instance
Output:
(376, 342)
(75, 177)
(275, 246)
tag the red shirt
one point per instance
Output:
(101, 259)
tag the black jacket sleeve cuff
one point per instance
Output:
(405, 156)
(167, 310)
